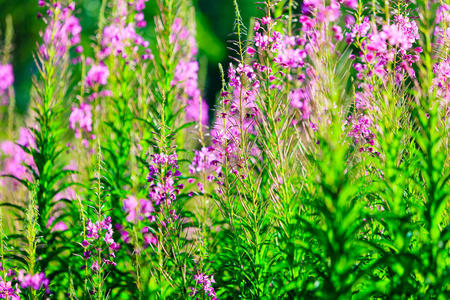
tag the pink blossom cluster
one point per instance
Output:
(205, 282)
(226, 134)
(301, 99)
(120, 37)
(139, 6)
(205, 160)
(80, 121)
(266, 39)
(289, 55)
(186, 74)
(6, 77)
(11, 285)
(15, 160)
(361, 132)
(181, 36)
(442, 82)
(100, 239)
(390, 48)
(158, 210)
(442, 32)
(8, 289)
(62, 32)
(6, 81)
(36, 281)
(98, 74)
(392, 43)
(138, 211)
(162, 179)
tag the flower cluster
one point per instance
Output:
(387, 46)
(162, 179)
(442, 83)
(361, 132)
(158, 210)
(6, 79)
(120, 37)
(205, 160)
(186, 74)
(9, 286)
(138, 211)
(301, 99)
(98, 74)
(7, 291)
(36, 281)
(81, 119)
(205, 283)
(62, 32)
(16, 160)
(99, 240)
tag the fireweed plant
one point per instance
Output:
(324, 173)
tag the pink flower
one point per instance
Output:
(186, 79)
(98, 74)
(351, 3)
(16, 159)
(205, 282)
(6, 77)
(300, 99)
(95, 266)
(36, 281)
(81, 118)
(61, 34)
(150, 239)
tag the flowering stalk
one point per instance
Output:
(46, 174)
(99, 247)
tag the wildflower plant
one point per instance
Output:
(322, 174)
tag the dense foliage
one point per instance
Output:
(324, 173)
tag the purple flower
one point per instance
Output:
(98, 74)
(7, 291)
(205, 282)
(301, 99)
(6, 77)
(161, 178)
(81, 119)
(150, 239)
(441, 83)
(186, 75)
(130, 205)
(61, 34)
(360, 130)
(95, 267)
(120, 37)
(205, 160)
(16, 160)
(403, 32)
(36, 281)
(99, 238)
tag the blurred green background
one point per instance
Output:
(215, 25)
